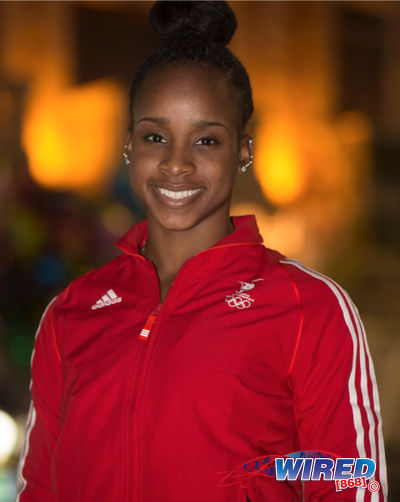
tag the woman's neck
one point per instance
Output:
(170, 249)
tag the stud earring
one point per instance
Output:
(125, 155)
(245, 166)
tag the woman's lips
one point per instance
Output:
(178, 197)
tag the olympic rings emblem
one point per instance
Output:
(242, 301)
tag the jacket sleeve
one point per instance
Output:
(41, 430)
(336, 400)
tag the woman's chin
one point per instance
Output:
(176, 222)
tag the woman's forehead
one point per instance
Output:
(200, 87)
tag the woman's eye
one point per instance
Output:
(155, 138)
(206, 141)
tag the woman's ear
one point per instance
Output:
(128, 140)
(128, 147)
(245, 153)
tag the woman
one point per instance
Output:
(198, 349)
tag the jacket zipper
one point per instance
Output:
(140, 361)
(150, 321)
(144, 335)
(141, 356)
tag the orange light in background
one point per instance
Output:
(354, 128)
(278, 165)
(285, 230)
(117, 219)
(72, 136)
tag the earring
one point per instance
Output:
(245, 166)
(125, 155)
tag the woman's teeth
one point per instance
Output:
(182, 194)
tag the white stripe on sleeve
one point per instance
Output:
(30, 423)
(359, 340)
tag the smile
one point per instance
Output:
(179, 197)
(179, 194)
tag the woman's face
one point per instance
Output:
(185, 147)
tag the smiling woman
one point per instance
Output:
(185, 150)
(198, 352)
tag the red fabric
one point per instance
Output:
(116, 417)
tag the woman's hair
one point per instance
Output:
(196, 31)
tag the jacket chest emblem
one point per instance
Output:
(109, 298)
(241, 299)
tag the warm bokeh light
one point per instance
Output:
(284, 230)
(117, 219)
(8, 436)
(278, 167)
(354, 128)
(72, 137)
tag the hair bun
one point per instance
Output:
(213, 21)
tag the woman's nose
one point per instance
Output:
(178, 160)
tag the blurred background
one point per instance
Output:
(325, 185)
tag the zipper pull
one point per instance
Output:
(150, 321)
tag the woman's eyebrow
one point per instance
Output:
(197, 122)
(156, 120)
(205, 123)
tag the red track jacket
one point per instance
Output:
(250, 355)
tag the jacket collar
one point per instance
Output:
(245, 232)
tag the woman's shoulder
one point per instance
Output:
(89, 286)
(315, 290)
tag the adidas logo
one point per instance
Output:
(108, 299)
